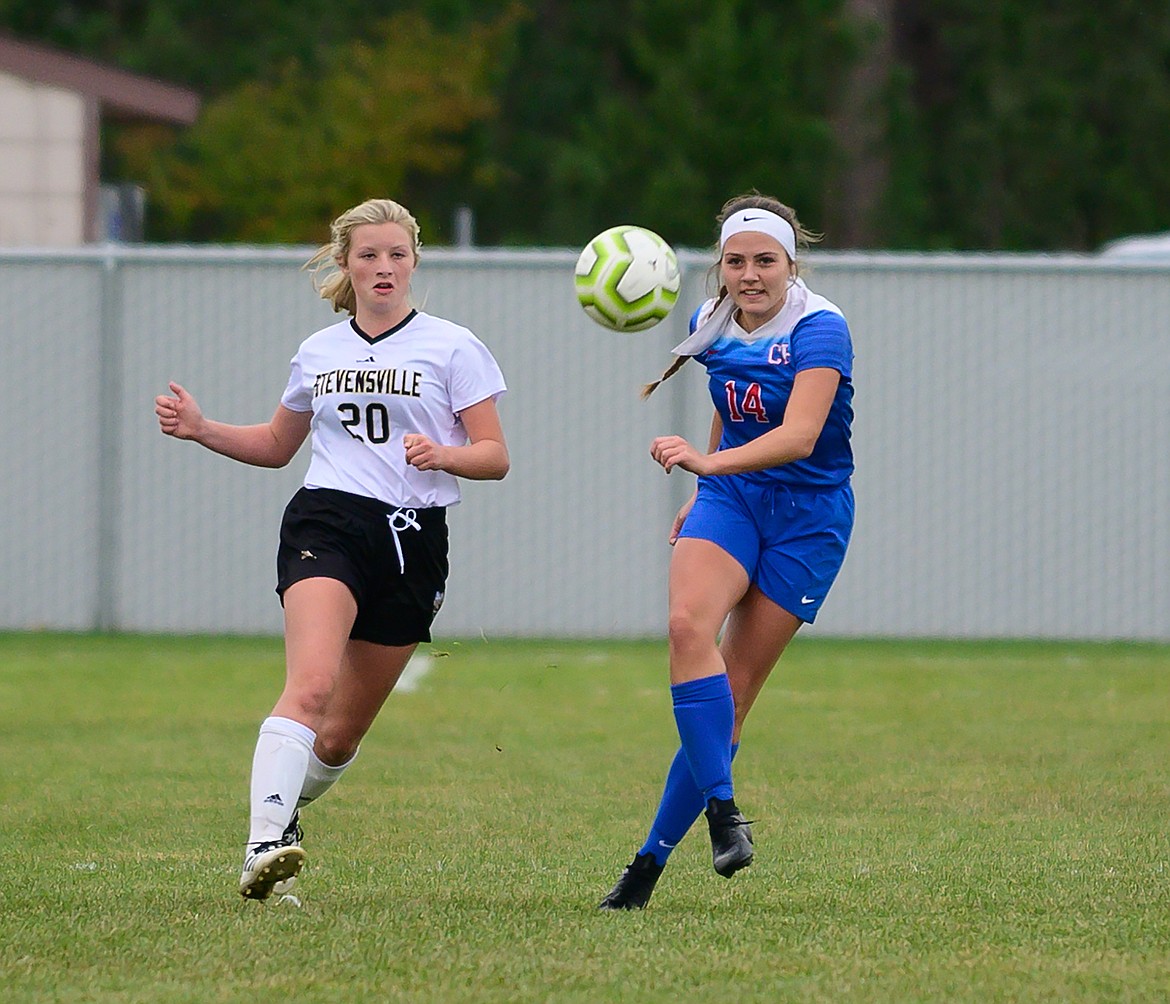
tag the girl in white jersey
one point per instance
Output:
(758, 545)
(399, 404)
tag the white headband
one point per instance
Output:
(760, 221)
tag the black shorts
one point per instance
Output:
(393, 559)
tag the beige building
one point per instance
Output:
(52, 105)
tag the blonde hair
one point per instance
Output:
(328, 279)
(749, 200)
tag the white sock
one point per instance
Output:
(278, 774)
(320, 777)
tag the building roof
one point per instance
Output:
(1140, 247)
(117, 91)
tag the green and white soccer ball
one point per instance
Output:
(627, 278)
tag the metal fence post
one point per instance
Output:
(105, 616)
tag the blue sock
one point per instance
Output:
(681, 804)
(704, 711)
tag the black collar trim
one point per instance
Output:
(372, 339)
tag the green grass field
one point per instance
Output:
(935, 822)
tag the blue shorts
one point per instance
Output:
(791, 542)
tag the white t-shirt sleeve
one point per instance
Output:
(474, 375)
(297, 396)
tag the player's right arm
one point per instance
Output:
(271, 444)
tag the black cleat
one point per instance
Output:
(731, 836)
(293, 834)
(633, 888)
(273, 867)
(292, 837)
(267, 866)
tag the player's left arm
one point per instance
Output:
(813, 391)
(484, 458)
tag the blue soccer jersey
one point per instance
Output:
(750, 380)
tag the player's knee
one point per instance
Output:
(308, 697)
(336, 748)
(687, 635)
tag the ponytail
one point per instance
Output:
(677, 365)
(670, 371)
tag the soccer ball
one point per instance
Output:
(627, 278)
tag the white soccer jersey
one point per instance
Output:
(366, 394)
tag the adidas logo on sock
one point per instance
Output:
(274, 798)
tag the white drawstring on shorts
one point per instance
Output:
(399, 520)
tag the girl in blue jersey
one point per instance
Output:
(758, 545)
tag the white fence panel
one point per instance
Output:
(1011, 438)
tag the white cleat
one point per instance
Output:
(268, 866)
